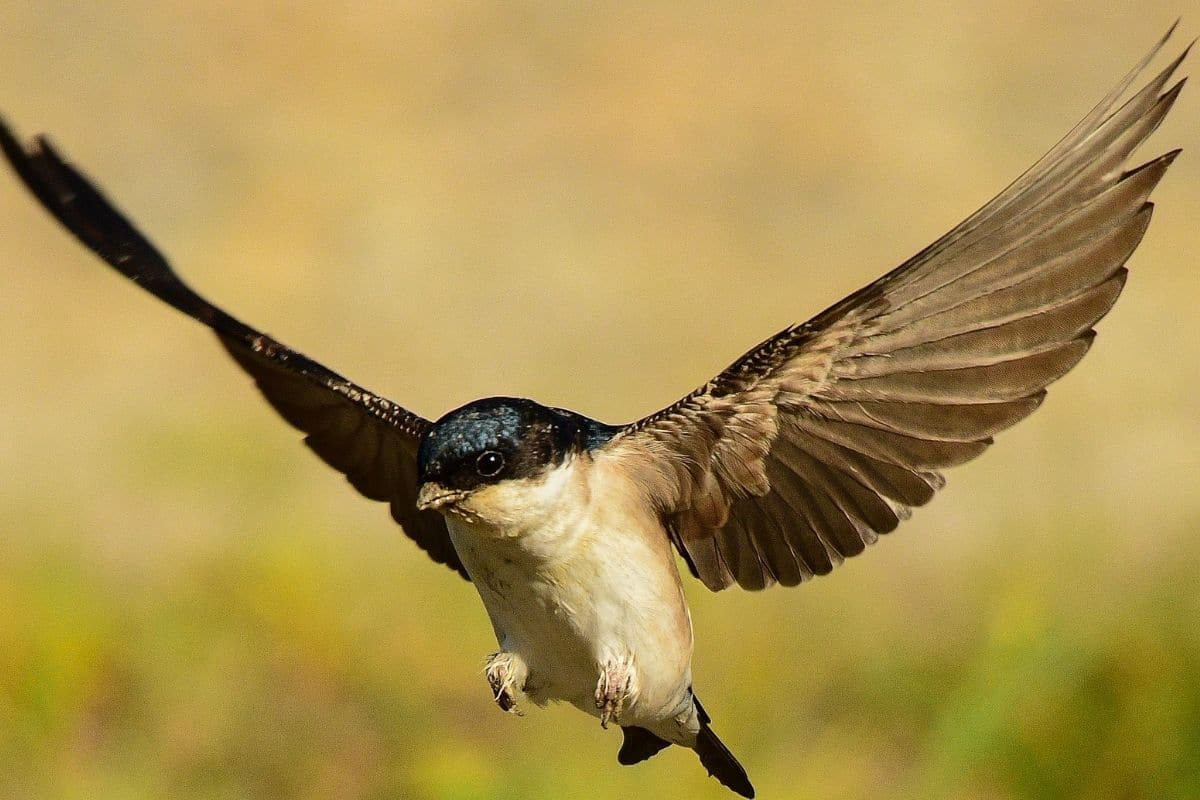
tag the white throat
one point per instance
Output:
(542, 516)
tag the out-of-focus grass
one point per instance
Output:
(598, 207)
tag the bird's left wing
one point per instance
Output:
(373, 441)
(824, 436)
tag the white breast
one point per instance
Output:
(575, 571)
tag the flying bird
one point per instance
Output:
(797, 456)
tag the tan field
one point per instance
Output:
(598, 206)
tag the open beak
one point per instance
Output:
(433, 496)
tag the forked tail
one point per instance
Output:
(717, 759)
(641, 744)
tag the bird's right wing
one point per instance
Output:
(373, 441)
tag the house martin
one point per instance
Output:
(799, 455)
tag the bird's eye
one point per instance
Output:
(489, 463)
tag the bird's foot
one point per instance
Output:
(614, 689)
(506, 673)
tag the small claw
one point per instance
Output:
(612, 690)
(502, 675)
(607, 710)
(508, 703)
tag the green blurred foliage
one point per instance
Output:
(597, 205)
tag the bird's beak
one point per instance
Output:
(433, 496)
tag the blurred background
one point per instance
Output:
(599, 206)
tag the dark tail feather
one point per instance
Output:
(717, 759)
(639, 745)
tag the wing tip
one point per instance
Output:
(9, 142)
(1158, 166)
(1170, 32)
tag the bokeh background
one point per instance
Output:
(597, 205)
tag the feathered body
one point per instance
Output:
(576, 573)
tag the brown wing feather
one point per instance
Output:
(824, 436)
(370, 439)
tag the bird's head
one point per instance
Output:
(485, 460)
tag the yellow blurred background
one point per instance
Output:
(599, 206)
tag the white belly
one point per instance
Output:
(570, 596)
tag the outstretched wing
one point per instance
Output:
(824, 436)
(370, 439)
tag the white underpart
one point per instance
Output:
(576, 572)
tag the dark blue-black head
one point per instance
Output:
(502, 438)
